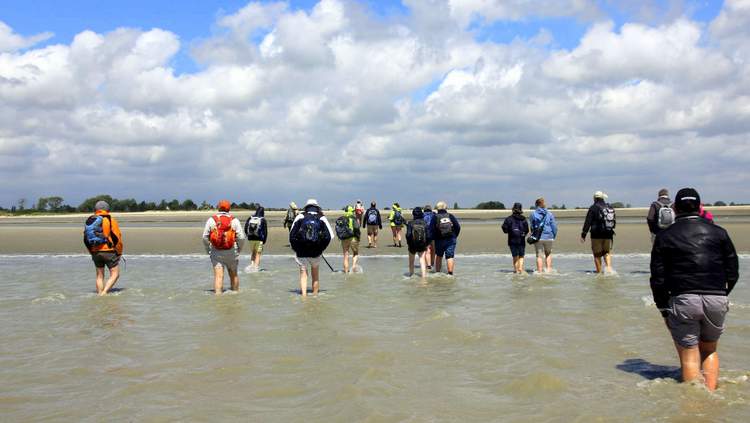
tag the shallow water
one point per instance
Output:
(482, 346)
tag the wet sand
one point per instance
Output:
(180, 232)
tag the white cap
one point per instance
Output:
(601, 195)
(312, 202)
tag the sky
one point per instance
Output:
(412, 101)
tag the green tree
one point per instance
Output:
(455, 205)
(618, 205)
(490, 205)
(88, 204)
(55, 203)
(188, 205)
(41, 204)
(720, 204)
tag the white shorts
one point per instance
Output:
(305, 261)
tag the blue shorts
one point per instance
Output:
(518, 250)
(445, 247)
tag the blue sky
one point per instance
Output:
(398, 95)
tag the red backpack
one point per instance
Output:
(223, 236)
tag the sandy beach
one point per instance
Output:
(180, 232)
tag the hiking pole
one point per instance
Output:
(329, 264)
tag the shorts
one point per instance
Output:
(446, 247)
(517, 250)
(694, 317)
(106, 258)
(351, 243)
(543, 247)
(227, 258)
(305, 261)
(256, 246)
(372, 229)
(601, 247)
(414, 250)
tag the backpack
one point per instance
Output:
(223, 235)
(343, 231)
(398, 219)
(419, 233)
(445, 225)
(372, 217)
(93, 231)
(253, 227)
(607, 219)
(290, 215)
(311, 234)
(665, 216)
(516, 228)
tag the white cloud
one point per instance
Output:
(292, 103)
(10, 41)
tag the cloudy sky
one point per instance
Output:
(410, 101)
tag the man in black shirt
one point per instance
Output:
(694, 267)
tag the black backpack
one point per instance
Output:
(418, 233)
(343, 231)
(516, 228)
(312, 235)
(398, 218)
(445, 225)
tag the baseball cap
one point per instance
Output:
(600, 194)
(687, 199)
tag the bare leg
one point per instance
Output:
(438, 263)
(394, 232)
(256, 259)
(114, 275)
(608, 262)
(598, 264)
(690, 361)
(234, 279)
(369, 240)
(355, 259)
(549, 263)
(218, 279)
(375, 239)
(411, 264)
(346, 260)
(423, 264)
(450, 264)
(303, 280)
(709, 363)
(99, 280)
(520, 265)
(539, 264)
(398, 235)
(428, 255)
(316, 278)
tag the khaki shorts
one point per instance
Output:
(601, 247)
(543, 247)
(305, 261)
(372, 229)
(351, 243)
(227, 258)
(256, 246)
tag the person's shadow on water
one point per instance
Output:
(648, 370)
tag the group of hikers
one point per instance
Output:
(694, 265)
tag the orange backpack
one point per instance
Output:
(222, 236)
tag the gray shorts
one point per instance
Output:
(543, 248)
(695, 317)
(303, 262)
(227, 258)
(106, 258)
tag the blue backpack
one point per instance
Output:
(93, 233)
(312, 236)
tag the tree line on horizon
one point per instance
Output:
(56, 204)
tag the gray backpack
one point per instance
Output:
(665, 217)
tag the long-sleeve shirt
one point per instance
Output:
(594, 220)
(653, 214)
(236, 226)
(367, 214)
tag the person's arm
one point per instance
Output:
(658, 285)
(526, 228)
(653, 226)
(206, 234)
(587, 222)
(380, 222)
(456, 225)
(553, 225)
(263, 230)
(731, 263)
(117, 234)
(240, 238)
